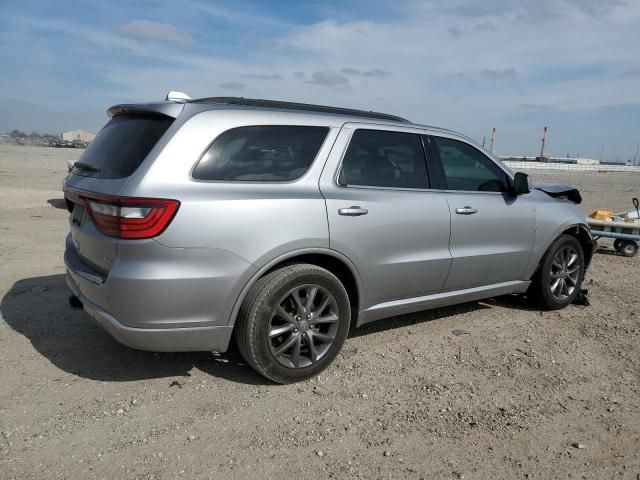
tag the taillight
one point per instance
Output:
(127, 218)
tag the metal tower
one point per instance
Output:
(543, 157)
(492, 148)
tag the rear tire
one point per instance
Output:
(558, 279)
(293, 323)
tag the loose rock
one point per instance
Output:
(458, 332)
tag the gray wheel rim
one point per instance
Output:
(303, 326)
(565, 272)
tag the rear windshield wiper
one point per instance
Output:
(86, 166)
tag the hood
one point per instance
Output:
(560, 191)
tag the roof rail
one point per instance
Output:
(254, 102)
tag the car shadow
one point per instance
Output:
(60, 203)
(608, 251)
(418, 317)
(38, 308)
(512, 302)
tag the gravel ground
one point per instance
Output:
(489, 389)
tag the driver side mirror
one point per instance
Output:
(521, 183)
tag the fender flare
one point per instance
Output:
(283, 258)
(533, 266)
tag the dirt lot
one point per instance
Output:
(485, 390)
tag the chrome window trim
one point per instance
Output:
(397, 189)
(477, 192)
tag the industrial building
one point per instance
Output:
(543, 157)
(547, 159)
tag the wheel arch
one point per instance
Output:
(582, 233)
(331, 260)
(578, 230)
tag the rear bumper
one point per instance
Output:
(160, 298)
(215, 339)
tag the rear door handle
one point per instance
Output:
(353, 211)
(466, 210)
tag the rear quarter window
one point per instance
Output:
(261, 154)
(122, 145)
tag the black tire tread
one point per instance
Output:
(538, 291)
(248, 316)
(624, 244)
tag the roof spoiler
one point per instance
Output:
(171, 107)
(167, 109)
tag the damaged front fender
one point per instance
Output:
(560, 191)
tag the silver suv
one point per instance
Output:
(285, 224)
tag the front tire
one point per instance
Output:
(558, 279)
(293, 323)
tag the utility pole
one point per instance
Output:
(492, 148)
(636, 157)
(484, 138)
(601, 152)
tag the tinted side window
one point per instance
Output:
(122, 145)
(466, 168)
(377, 158)
(261, 154)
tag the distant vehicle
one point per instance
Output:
(59, 143)
(284, 224)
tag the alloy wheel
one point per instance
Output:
(565, 273)
(303, 326)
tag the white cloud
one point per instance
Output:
(146, 31)
(263, 76)
(492, 74)
(232, 85)
(235, 15)
(329, 79)
(462, 64)
(374, 72)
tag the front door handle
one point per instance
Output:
(466, 210)
(353, 211)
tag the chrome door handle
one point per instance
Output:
(353, 211)
(466, 210)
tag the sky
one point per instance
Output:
(467, 65)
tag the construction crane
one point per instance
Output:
(543, 157)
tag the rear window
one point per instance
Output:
(261, 154)
(121, 146)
